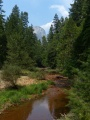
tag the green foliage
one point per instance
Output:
(56, 24)
(52, 55)
(79, 94)
(31, 43)
(82, 44)
(67, 48)
(77, 11)
(52, 42)
(69, 116)
(16, 96)
(44, 53)
(51, 33)
(11, 73)
(78, 106)
(3, 40)
(21, 41)
(68, 35)
(38, 74)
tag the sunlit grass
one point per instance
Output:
(17, 95)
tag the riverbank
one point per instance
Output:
(10, 97)
(30, 85)
(47, 106)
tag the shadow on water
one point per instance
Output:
(47, 107)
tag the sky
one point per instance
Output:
(40, 12)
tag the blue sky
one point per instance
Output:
(41, 12)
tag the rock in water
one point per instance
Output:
(40, 32)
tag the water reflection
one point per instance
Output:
(57, 101)
(40, 110)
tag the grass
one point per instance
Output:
(53, 71)
(16, 96)
(39, 73)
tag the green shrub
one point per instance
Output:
(79, 96)
(11, 73)
(39, 75)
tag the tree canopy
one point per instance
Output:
(66, 48)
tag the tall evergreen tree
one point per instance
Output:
(44, 53)
(24, 18)
(13, 21)
(51, 33)
(30, 42)
(76, 11)
(56, 22)
(38, 55)
(82, 43)
(54, 40)
(3, 40)
(15, 30)
(81, 86)
(68, 35)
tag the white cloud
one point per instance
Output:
(68, 2)
(61, 9)
(46, 27)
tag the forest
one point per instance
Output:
(66, 48)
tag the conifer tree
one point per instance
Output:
(24, 19)
(15, 30)
(3, 40)
(56, 22)
(30, 42)
(51, 33)
(44, 53)
(82, 43)
(76, 11)
(68, 35)
(81, 86)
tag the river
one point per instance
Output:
(46, 107)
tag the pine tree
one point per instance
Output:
(24, 19)
(54, 40)
(79, 94)
(3, 40)
(44, 51)
(15, 29)
(56, 22)
(13, 21)
(30, 42)
(68, 34)
(82, 43)
(51, 33)
(76, 11)
(38, 54)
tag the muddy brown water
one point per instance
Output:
(47, 107)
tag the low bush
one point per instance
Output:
(11, 73)
(39, 75)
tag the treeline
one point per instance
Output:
(18, 43)
(67, 48)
